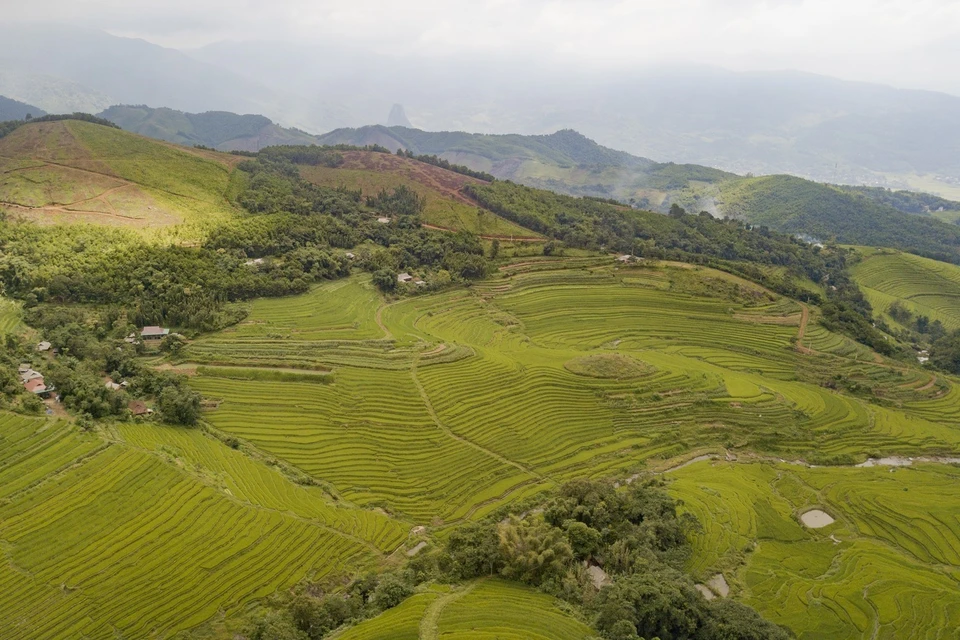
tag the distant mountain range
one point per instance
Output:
(220, 130)
(765, 123)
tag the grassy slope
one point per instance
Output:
(73, 171)
(925, 287)
(445, 206)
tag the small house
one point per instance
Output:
(253, 263)
(383, 220)
(625, 258)
(39, 387)
(30, 374)
(420, 283)
(154, 333)
(23, 368)
(44, 346)
(350, 255)
(404, 277)
(138, 408)
(113, 386)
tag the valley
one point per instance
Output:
(357, 438)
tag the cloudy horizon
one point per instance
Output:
(906, 44)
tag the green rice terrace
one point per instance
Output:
(922, 286)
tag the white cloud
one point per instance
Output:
(893, 41)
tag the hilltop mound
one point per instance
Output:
(73, 171)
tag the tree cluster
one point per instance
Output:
(635, 534)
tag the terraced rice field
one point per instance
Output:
(482, 610)
(888, 567)
(925, 287)
(437, 438)
(156, 531)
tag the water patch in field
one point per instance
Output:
(816, 519)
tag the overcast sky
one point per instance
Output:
(906, 43)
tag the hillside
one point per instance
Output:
(16, 110)
(798, 206)
(217, 129)
(565, 161)
(446, 207)
(74, 171)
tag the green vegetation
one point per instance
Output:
(445, 206)
(906, 201)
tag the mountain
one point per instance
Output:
(217, 129)
(16, 110)
(398, 117)
(761, 122)
(52, 94)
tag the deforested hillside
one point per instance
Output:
(75, 171)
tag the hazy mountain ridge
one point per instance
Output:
(220, 130)
(760, 122)
(16, 110)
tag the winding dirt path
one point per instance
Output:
(379, 319)
(802, 331)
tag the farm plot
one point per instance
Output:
(923, 286)
(100, 540)
(886, 568)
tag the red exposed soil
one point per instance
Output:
(440, 180)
